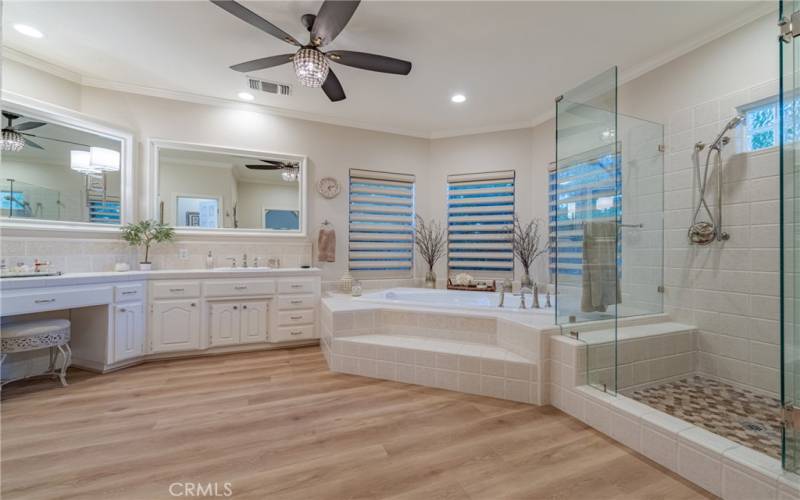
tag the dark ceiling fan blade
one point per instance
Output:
(331, 19)
(32, 144)
(275, 162)
(263, 63)
(371, 62)
(264, 167)
(254, 19)
(332, 88)
(29, 125)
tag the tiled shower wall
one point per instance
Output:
(90, 255)
(729, 290)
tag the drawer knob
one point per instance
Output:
(296, 317)
(244, 307)
(235, 308)
(297, 286)
(44, 301)
(240, 287)
(122, 310)
(296, 333)
(176, 289)
(194, 304)
(129, 293)
(297, 302)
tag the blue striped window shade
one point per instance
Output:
(480, 218)
(579, 192)
(104, 211)
(381, 238)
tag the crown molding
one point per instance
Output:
(15, 55)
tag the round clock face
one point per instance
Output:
(328, 187)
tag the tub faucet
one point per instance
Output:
(522, 293)
(502, 297)
(244, 261)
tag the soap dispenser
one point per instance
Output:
(210, 261)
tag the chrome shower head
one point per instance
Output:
(732, 124)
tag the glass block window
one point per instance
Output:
(763, 124)
(480, 218)
(381, 236)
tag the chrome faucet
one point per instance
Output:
(502, 297)
(233, 260)
(255, 261)
(522, 293)
(244, 261)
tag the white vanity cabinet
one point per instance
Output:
(175, 325)
(297, 309)
(129, 332)
(232, 323)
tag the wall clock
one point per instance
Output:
(329, 187)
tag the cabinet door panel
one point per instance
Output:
(254, 321)
(128, 331)
(176, 325)
(225, 324)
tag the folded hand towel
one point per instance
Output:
(326, 244)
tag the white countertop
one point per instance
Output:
(69, 279)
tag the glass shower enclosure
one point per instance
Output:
(606, 220)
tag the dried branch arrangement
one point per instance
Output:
(527, 240)
(430, 240)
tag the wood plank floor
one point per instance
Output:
(278, 424)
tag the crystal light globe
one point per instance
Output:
(311, 67)
(12, 141)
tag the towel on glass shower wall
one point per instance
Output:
(600, 284)
(326, 244)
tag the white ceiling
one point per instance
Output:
(509, 58)
(230, 162)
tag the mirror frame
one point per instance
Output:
(65, 117)
(151, 199)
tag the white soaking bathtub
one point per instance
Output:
(453, 299)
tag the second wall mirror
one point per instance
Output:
(205, 188)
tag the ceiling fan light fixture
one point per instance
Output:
(12, 141)
(289, 174)
(310, 67)
(103, 159)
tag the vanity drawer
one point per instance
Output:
(297, 302)
(51, 300)
(176, 289)
(296, 317)
(296, 286)
(285, 333)
(128, 293)
(239, 287)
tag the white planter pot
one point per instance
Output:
(145, 266)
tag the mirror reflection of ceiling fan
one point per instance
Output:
(15, 137)
(290, 171)
(310, 63)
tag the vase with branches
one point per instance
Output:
(528, 246)
(147, 233)
(430, 241)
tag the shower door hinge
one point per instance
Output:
(661, 148)
(786, 26)
(660, 288)
(791, 417)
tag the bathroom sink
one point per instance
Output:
(240, 269)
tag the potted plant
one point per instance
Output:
(146, 233)
(528, 246)
(430, 241)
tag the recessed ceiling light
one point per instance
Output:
(459, 98)
(246, 96)
(28, 30)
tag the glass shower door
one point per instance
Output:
(586, 216)
(789, 51)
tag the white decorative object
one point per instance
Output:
(145, 266)
(329, 187)
(462, 279)
(346, 283)
(122, 267)
(357, 288)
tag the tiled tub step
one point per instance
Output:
(473, 368)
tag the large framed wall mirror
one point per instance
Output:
(60, 169)
(209, 188)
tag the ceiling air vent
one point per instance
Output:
(269, 87)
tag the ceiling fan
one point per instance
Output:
(289, 170)
(13, 137)
(310, 63)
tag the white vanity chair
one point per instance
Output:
(52, 334)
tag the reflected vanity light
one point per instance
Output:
(104, 160)
(290, 174)
(80, 161)
(12, 141)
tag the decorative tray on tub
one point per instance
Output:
(476, 286)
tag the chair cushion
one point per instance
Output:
(27, 328)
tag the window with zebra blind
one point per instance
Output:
(381, 235)
(480, 218)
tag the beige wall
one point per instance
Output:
(254, 197)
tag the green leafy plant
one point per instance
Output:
(146, 233)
